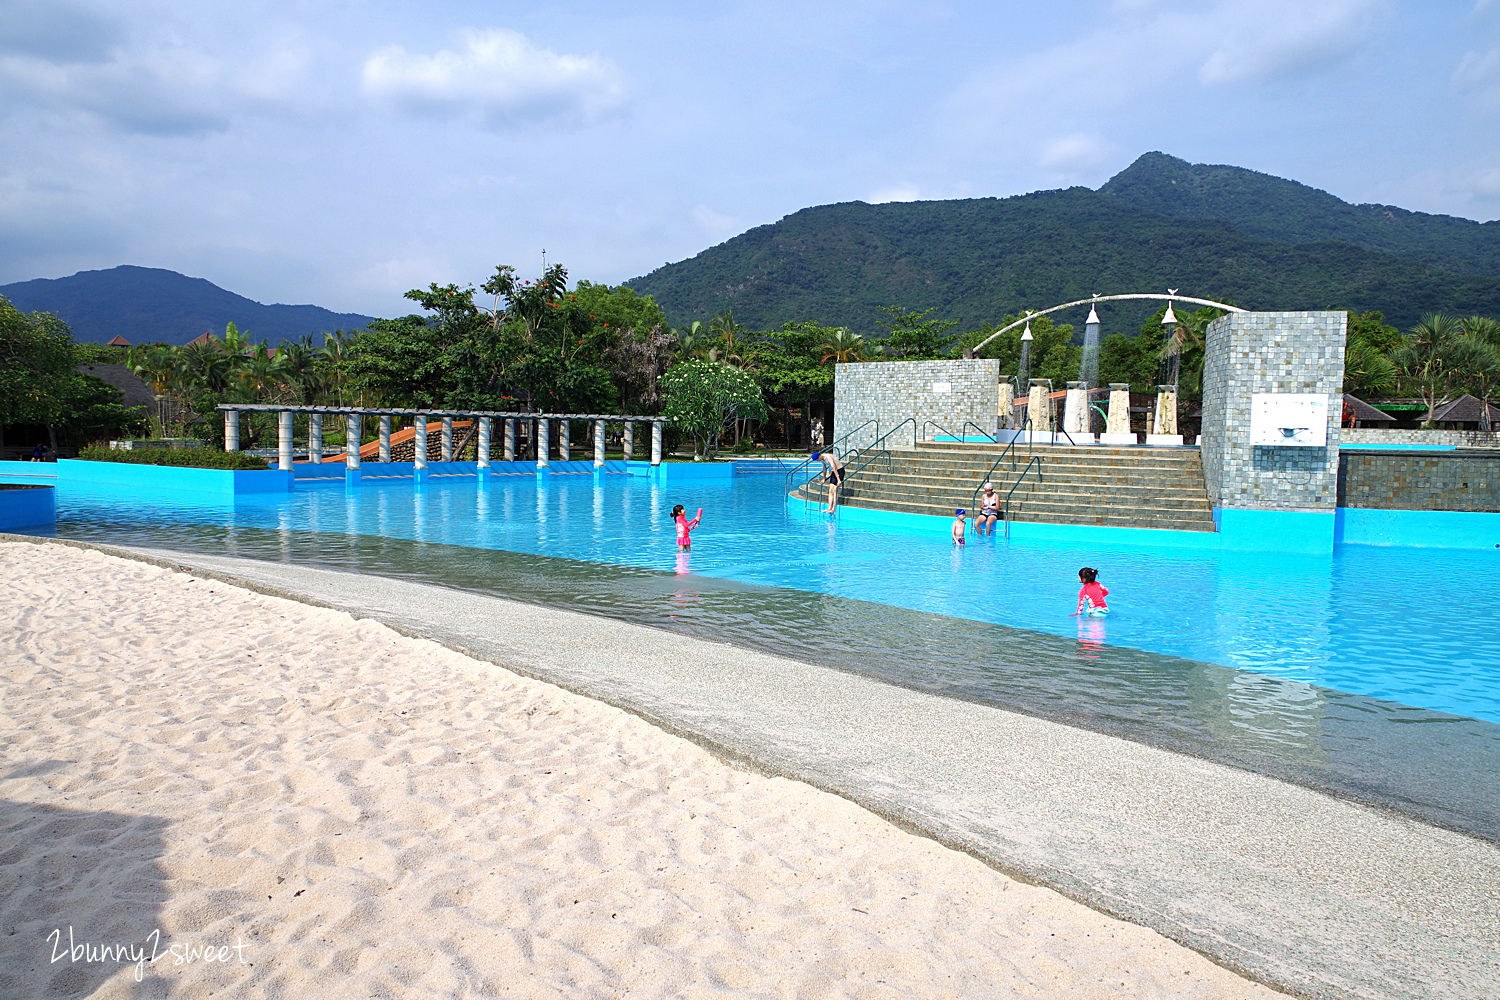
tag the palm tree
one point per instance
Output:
(1476, 360)
(842, 346)
(1424, 360)
(695, 342)
(1367, 370)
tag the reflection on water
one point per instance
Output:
(1434, 765)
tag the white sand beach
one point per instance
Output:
(337, 810)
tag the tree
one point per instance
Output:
(911, 336)
(1424, 360)
(701, 398)
(1476, 360)
(36, 359)
(842, 346)
(1368, 368)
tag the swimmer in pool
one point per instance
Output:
(1091, 595)
(684, 526)
(960, 526)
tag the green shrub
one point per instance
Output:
(193, 458)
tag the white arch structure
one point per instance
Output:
(1093, 299)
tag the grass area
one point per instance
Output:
(191, 458)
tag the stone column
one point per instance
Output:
(1119, 408)
(1039, 408)
(385, 438)
(419, 445)
(284, 441)
(598, 444)
(484, 443)
(1166, 410)
(1076, 409)
(231, 430)
(543, 443)
(656, 426)
(627, 440)
(510, 439)
(351, 448)
(315, 438)
(1007, 407)
(447, 439)
(565, 440)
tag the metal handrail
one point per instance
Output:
(832, 447)
(981, 430)
(1030, 446)
(921, 434)
(960, 437)
(1037, 461)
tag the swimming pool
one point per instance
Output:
(1310, 667)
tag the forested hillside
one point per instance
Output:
(978, 259)
(148, 304)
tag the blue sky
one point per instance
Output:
(340, 153)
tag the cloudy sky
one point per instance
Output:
(340, 153)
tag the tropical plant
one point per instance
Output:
(1425, 360)
(703, 397)
(842, 346)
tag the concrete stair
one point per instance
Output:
(1091, 485)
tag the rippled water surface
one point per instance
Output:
(1419, 627)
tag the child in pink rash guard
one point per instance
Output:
(1092, 593)
(684, 526)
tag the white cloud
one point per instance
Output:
(1267, 39)
(716, 224)
(500, 74)
(900, 192)
(1478, 72)
(1073, 152)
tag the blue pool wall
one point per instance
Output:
(230, 482)
(33, 508)
(1434, 529)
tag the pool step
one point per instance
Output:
(1089, 485)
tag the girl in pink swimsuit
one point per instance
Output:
(684, 526)
(1091, 595)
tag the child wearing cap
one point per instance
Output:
(960, 526)
(989, 510)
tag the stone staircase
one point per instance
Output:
(1118, 487)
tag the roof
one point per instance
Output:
(1364, 413)
(203, 338)
(136, 392)
(117, 341)
(1464, 410)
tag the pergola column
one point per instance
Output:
(231, 430)
(598, 444)
(510, 439)
(483, 452)
(284, 441)
(419, 454)
(543, 445)
(565, 440)
(385, 438)
(447, 439)
(351, 448)
(656, 442)
(627, 440)
(315, 437)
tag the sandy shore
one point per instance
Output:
(337, 810)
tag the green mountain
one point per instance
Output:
(1287, 212)
(979, 259)
(148, 304)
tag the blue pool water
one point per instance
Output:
(1418, 627)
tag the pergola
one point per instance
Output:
(354, 417)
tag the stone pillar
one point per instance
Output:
(447, 439)
(351, 441)
(231, 430)
(1076, 409)
(1039, 408)
(419, 444)
(598, 444)
(315, 438)
(1117, 427)
(284, 441)
(385, 438)
(656, 442)
(564, 440)
(510, 439)
(1166, 410)
(484, 443)
(543, 443)
(1007, 405)
(627, 440)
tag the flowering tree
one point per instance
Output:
(702, 397)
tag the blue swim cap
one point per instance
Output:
(960, 511)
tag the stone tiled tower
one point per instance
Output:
(1261, 352)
